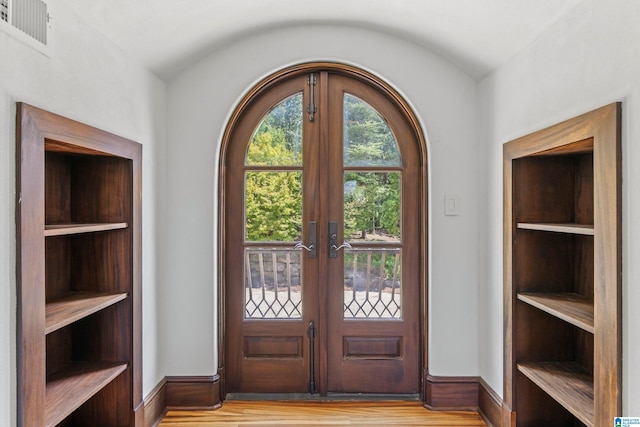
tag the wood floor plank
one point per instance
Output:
(317, 414)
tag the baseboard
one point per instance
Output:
(489, 405)
(193, 392)
(440, 394)
(451, 393)
(155, 405)
(184, 393)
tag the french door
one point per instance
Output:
(322, 246)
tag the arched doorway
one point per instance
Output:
(323, 237)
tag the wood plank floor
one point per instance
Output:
(296, 413)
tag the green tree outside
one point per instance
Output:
(274, 199)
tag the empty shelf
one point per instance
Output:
(66, 229)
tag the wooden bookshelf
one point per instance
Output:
(562, 273)
(79, 274)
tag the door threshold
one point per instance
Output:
(330, 397)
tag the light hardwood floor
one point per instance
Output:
(296, 413)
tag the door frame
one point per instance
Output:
(378, 83)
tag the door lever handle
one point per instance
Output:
(309, 248)
(311, 235)
(333, 241)
(343, 245)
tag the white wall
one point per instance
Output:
(199, 101)
(90, 80)
(586, 60)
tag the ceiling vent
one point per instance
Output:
(27, 20)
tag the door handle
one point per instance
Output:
(333, 241)
(343, 245)
(311, 235)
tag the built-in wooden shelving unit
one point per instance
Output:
(79, 274)
(563, 273)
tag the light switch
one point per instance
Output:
(451, 205)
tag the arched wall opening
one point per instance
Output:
(422, 193)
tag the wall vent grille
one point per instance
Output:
(4, 10)
(29, 22)
(30, 17)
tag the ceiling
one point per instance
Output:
(168, 35)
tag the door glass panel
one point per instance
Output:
(372, 206)
(273, 206)
(372, 212)
(372, 283)
(368, 141)
(272, 283)
(278, 139)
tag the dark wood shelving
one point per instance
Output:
(76, 306)
(573, 308)
(70, 387)
(562, 273)
(79, 277)
(582, 229)
(67, 229)
(567, 383)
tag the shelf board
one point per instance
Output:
(572, 308)
(76, 306)
(67, 229)
(73, 385)
(583, 229)
(567, 383)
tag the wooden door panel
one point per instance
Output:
(263, 354)
(373, 348)
(258, 347)
(375, 355)
(352, 353)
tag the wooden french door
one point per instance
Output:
(322, 246)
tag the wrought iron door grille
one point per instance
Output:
(273, 287)
(372, 283)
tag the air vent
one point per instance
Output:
(4, 10)
(30, 17)
(26, 20)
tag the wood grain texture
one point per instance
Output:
(69, 173)
(75, 306)
(69, 388)
(193, 392)
(389, 414)
(559, 228)
(573, 308)
(567, 173)
(489, 405)
(155, 405)
(451, 393)
(567, 383)
(67, 229)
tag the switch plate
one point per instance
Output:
(451, 205)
